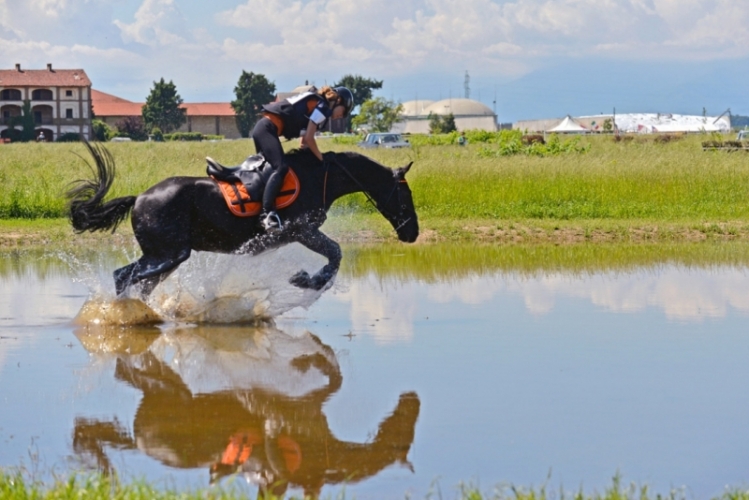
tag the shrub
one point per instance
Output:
(184, 136)
(349, 140)
(511, 142)
(69, 137)
(532, 139)
(192, 136)
(102, 132)
(156, 134)
(132, 127)
(665, 139)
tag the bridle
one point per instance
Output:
(399, 218)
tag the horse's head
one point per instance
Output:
(398, 207)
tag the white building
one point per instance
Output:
(468, 114)
(60, 100)
(642, 123)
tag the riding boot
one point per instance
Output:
(271, 221)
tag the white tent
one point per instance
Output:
(568, 126)
(649, 123)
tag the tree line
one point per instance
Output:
(163, 114)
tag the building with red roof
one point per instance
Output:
(210, 118)
(60, 100)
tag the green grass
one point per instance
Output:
(442, 262)
(16, 486)
(429, 263)
(616, 181)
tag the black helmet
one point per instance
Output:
(347, 99)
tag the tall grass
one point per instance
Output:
(35, 176)
(627, 180)
(15, 486)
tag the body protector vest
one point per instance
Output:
(297, 111)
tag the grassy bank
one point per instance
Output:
(14, 486)
(639, 190)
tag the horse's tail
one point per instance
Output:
(87, 210)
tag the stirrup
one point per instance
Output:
(272, 222)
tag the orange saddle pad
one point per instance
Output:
(241, 204)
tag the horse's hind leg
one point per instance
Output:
(149, 270)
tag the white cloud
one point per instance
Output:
(388, 317)
(50, 8)
(679, 294)
(293, 40)
(156, 23)
(422, 34)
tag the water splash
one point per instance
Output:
(207, 288)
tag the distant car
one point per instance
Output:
(384, 140)
(743, 135)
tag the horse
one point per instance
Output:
(181, 214)
(265, 421)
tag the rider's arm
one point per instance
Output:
(308, 139)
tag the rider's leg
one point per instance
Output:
(265, 135)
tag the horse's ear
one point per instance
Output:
(401, 172)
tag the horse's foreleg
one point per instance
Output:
(149, 270)
(123, 278)
(318, 243)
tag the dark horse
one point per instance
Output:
(182, 214)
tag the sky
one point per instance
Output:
(525, 59)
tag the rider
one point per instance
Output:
(298, 116)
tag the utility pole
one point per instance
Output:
(467, 86)
(494, 107)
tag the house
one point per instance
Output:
(60, 100)
(209, 118)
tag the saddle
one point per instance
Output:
(243, 185)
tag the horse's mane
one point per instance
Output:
(304, 158)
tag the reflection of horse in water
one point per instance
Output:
(274, 432)
(182, 214)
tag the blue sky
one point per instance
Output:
(526, 58)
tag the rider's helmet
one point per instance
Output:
(347, 99)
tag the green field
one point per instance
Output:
(635, 190)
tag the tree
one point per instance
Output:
(26, 121)
(162, 108)
(439, 124)
(378, 115)
(252, 92)
(359, 86)
(132, 127)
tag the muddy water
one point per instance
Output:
(420, 368)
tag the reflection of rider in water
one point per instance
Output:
(299, 116)
(277, 439)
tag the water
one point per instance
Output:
(398, 380)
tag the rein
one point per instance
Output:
(363, 190)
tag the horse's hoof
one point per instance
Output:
(301, 280)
